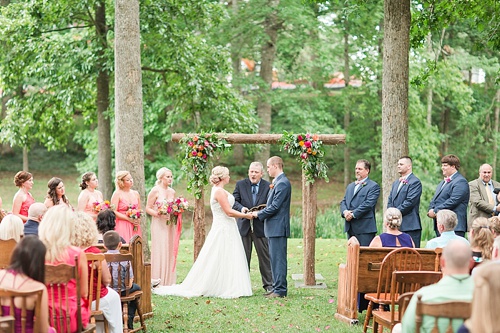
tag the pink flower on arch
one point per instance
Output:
(194, 153)
(307, 144)
(300, 138)
(303, 156)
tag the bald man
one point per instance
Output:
(483, 202)
(35, 215)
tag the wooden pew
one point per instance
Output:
(142, 271)
(6, 249)
(360, 275)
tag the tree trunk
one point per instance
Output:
(25, 159)
(309, 206)
(199, 224)
(395, 77)
(347, 112)
(268, 53)
(102, 105)
(129, 137)
(495, 131)
(445, 121)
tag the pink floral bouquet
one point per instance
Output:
(134, 213)
(174, 208)
(100, 206)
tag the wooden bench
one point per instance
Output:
(142, 271)
(360, 275)
(6, 249)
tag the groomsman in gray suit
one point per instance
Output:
(276, 217)
(483, 202)
(251, 192)
(358, 205)
(405, 196)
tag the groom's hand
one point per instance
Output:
(244, 210)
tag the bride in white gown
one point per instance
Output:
(221, 269)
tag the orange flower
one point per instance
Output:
(315, 137)
(301, 143)
(314, 153)
(195, 138)
(200, 154)
(309, 150)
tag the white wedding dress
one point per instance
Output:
(221, 269)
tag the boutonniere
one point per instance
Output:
(447, 180)
(404, 181)
(363, 184)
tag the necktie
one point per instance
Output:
(254, 193)
(358, 184)
(488, 193)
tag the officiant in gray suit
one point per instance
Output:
(251, 192)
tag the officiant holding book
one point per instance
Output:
(250, 193)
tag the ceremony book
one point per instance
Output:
(257, 208)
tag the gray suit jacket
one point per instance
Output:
(479, 205)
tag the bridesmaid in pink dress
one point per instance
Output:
(23, 198)
(123, 198)
(89, 195)
(56, 194)
(163, 236)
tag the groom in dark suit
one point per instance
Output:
(405, 196)
(452, 193)
(276, 217)
(358, 205)
(251, 192)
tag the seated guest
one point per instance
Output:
(446, 223)
(456, 285)
(56, 194)
(11, 228)
(485, 301)
(35, 215)
(106, 221)
(494, 223)
(481, 240)
(85, 236)
(393, 237)
(56, 232)
(112, 244)
(26, 272)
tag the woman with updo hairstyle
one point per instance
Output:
(106, 221)
(125, 199)
(23, 198)
(481, 240)
(163, 234)
(221, 269)
(89, 196)
(393, 237)
(494, 223)
(56, 194)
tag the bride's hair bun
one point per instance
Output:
(218, 173)
(393, 218)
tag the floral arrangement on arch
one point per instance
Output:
(308, 150)
(198, 150)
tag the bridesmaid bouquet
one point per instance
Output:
(100, 206)
(134, 213)
(174, 208)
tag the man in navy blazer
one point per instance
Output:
(452, 193)
(251, 192)
(358, 205)
(276, 217)
(405, 196)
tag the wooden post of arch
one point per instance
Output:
(309, 199)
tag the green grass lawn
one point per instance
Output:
(304, 310)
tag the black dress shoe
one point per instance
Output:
(274, 295)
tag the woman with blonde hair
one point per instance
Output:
(127, 203)
(56, 232)
(163, 233)
(481, 240)
(89, 194)
(494, 223)
(393, 237)
(221, 269)
(23, 198)
(485, 301)
(12, 227)
(56, 194)
(84, 237)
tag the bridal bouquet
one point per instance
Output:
(100, 206)
(174, 208)
(134, 213)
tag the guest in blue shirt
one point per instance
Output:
(35, 215)
(446, 223)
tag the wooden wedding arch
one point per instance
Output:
(309, 198)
